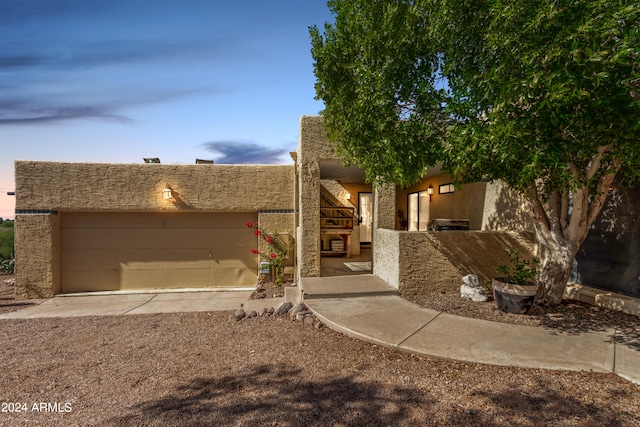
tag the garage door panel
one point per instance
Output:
(136, 238)
(82, 281)
(163, 279)
(241, 276)
(223, 220)
(97, 257)
(150, 258)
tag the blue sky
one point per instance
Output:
(115, 81)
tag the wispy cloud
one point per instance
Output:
(39, 109)
(24, 114)
(118, 52)
(243, 152)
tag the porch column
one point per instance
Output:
(384, 205)
(308, 245)
(37, 255)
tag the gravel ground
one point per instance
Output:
(571, 316)
(193, 369)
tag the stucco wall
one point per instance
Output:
(312, 148)
(386, 261)
(101, 186)
(280, 222)
(504, 209)
(37, 255)
(384, 201)
(416, 261)
(410, 261)
(50, 187)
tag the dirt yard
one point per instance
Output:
(194, 369)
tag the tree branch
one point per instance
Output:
(602, 191)
(564, 211)
(578, 221)
(596, 161)
(555, 211)
(540, 216)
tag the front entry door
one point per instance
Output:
(365, 215)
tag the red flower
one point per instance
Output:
(255, 251)
(273, 256)
(257, 232)
(270, 239)
(249, 224)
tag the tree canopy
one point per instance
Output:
(541, 94)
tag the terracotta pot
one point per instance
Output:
(512, 298)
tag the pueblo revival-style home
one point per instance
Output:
(86, 227)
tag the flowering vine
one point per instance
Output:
(275, 250)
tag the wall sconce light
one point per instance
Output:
(348, 196)
(166, 193)
(430, 192)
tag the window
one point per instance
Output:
(446, 188)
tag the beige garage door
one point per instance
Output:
(126, 251)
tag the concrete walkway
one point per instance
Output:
(120, 303)
(367, 308)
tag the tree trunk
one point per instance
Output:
(557, 264)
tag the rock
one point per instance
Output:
(284, 308)
(240, 314)
(474, 294)
(471, 280)
(297, 309)
(252, 314)
(472, 290)
(309, 320)
(318, 324)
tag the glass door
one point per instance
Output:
(418, 211)
(365, 216)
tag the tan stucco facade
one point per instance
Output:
(130, 187)
(45, 191)
(283, 198)
(313, 147)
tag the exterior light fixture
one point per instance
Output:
(166, 193)
(430, 192)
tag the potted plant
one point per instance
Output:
(516, 291)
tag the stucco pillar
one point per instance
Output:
(308, 248)
(37, 256)
(384, 205)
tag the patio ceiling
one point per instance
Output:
(335, 170)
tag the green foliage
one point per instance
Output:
(276, 250)
(377, 77)
(549, 86)
(522, 271)
(537, 90)
(7, 266)
(6, 242)
(541, 94)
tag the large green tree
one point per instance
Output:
(541, 94)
